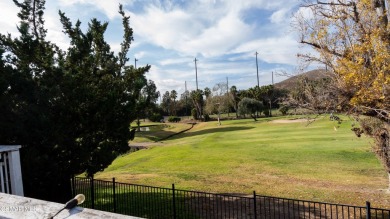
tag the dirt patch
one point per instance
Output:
(145, 144)
(284, 121)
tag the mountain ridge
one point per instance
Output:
(312, 75)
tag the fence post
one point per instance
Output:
(174, 201)
(72, 190)
(92, 193)
(368, 209)
(254, 204)
(113, 193)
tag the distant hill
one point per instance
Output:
(311, 75)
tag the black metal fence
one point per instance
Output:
(156, 202)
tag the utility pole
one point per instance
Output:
(135, 63)
(272, 78)
(227, 94)
(257, 68)
(227, 85)
(196, 73)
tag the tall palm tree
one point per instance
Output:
(207, 92)
(166, 102)
(235, 98)
(173, 101)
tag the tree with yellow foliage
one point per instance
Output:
(352, 38)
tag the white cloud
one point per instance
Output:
(175, 61)
(164, 29)
(140, 55)
(279, 16)
(190, 34)
(108, 7)
(115, 46)
(306, 12)
(281, 50)
(168, 79)
(223, 34)
(9, 20)
(52, 23)
(207, 27)
(54, 30)
(228, 32)
(171, 84)
(260, 4)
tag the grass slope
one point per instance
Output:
(290, 160)
(159, 131)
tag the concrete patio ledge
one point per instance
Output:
(12, 206)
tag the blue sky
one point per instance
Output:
(222, 34)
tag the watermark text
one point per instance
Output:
(12, 208)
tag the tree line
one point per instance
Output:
(222, 99)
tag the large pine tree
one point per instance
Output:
(70, 110)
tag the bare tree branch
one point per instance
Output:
(323, 48)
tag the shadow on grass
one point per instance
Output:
(212, 130)
(147, 203)
(156, 136)
(161, 135)
(155, 132)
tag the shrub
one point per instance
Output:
(156, 117)
(174, 119)
(206, 117)
(266, 112)
(194, 114)
(284, 110)
(250, 106)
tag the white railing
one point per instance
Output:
(10, 171)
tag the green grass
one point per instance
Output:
(295, 160)
(145, 202)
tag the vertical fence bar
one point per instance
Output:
(274, 207)
(92, 193)
(368, 209)
(113, 194)
(72, 186)
(254, 204)
(173, 201)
